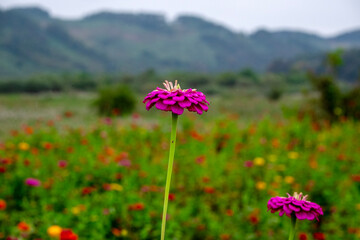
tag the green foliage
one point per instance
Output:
(333, 101)
(275, 94)
(115, 100)
(330, 95)
(351, 103)
(227, 79)
(334, 58)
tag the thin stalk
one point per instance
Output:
(174, 119)
(293, 225)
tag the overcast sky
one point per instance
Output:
(326, 17)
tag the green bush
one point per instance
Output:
(274, 94)
(351, 103)
(115, 100)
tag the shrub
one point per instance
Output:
(115, 100)
(274, 94)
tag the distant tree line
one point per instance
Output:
(145, 81)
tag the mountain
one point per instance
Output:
(32, 41)
(347, 71)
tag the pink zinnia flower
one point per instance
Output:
(62, 163)
(124, 163)
(295, 205)
(175, 99)
(32, 182)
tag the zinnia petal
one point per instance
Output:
(177, 109)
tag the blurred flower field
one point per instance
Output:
(106, 181)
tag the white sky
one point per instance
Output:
(325, 17)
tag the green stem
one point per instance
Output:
(293, 225)
(168, 176)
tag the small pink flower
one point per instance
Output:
(33, 182)
(248, 164)
(62, 163)
(124, 163)
(175, 99)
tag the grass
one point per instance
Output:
(17, 110)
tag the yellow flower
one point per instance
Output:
(293, 155)
(261, 185)
(24, 146)
(78, 209)
(124, 232)
(358, 206)
(75, 210)
(54, 231)
(272, 158)
(289, 179)
(259, 161)
(116, 187)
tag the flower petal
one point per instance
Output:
(161, 106)
(169, 102)
(184, 104)
(177, 109)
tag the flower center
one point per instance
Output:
(169, 86)
(299, 196)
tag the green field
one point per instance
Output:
(104, 178)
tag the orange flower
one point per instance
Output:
(356, 177)
(194, 134)
(200, 159)
(229, 212)
(275, 143)
(2, 205)
(116, 232)
(54, 231)
(260, 185)
(23, 227)
(209, 190)
(47, 145)
(28, 130)
(225, 236)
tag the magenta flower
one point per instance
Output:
(175, 99)
(33, 182)
(62, 163)
(295, 205)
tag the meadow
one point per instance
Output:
(103, 178)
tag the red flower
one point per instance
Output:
(67, 234)
(136, 207)
(319, 236)
(87, 190)
(200, 159)
(48, 146)
(253, 219)
(303, 236)
(171, 196)
(225, 236)
(2, 205)
(209, 190)
(23, 227)
(229, 212)
(355, 177)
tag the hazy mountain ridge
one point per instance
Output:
(32, 41)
